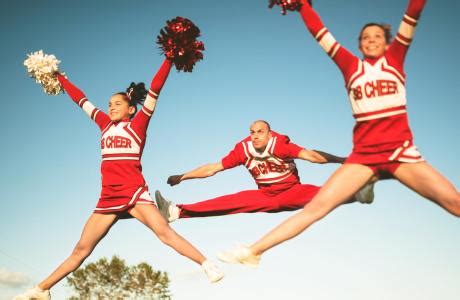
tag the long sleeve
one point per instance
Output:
(340, 55)
(400, 45)
(234, 158)
(80, 99)
(141, 120)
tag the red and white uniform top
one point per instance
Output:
(375, 87)
(122, 142)
(272, 168)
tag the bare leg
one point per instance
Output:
(150, 216)
(429, 183)
(345, 182)
(95, 229)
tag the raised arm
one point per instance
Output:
(155, 87)
(341, 56)
(406, 31)
(80, 99)
(200, 172)
(141, 120)
(319, 157)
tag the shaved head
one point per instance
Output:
(261, 122)
(260, 134)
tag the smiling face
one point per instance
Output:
(372, 41)
(119, 108)
(260, 135)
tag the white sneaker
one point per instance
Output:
(240, 255)
(35, 293)
(212, 271)
(366, 194)
(168, 210)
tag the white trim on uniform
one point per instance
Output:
(359, 72)
(246, 152)
(273, 145)
(407, 31)
(327, 42)
(273, 180)
(121, 158)
(136, 194)
(386, 67)
(128, 127)
(381, 115)
(81, 101)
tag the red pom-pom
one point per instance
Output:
(178, 41)
(292, 5)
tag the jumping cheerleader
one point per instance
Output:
(124, 191)
(269, 158)
(382, 139)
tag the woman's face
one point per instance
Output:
(372, 43)
(119, 108)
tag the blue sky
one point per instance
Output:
(258, 65)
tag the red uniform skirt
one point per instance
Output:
(384, 163)
(121, 198)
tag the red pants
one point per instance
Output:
(252, 201)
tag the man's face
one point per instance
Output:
(260, 135)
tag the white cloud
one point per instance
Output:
(13, 279)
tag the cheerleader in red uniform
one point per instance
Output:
(382, 140)
(269, 158)
(124, 191)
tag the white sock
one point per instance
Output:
(174, 213)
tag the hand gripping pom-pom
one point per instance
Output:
(292, 5)
(178, 42)
(43, 67)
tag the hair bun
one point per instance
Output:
(136, 92)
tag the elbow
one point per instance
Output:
(209, 174)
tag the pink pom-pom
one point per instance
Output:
(178, 41)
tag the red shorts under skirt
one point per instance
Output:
(121, 198)
(385, 163)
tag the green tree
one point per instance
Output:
(113, 279)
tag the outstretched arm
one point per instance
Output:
(155, 87)
(320, 157)
(200, 172)
(341, 56)
(406, 31)
(141, 120)
(80, 99)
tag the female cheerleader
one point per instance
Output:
(124, 191)
(382, 138)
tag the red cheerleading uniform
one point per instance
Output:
(382, 138)
(275, 173)
(122, 143)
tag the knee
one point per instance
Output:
(165, 234)
(456, 204)
(451, 202)
(315, 211)
(81, 251)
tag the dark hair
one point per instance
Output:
(385, 27)
(135, 94)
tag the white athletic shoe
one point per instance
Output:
(366, 194)
(35, 293)
(240, 255)
(212, 271)
(168, 210)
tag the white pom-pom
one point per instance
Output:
(43, 67)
